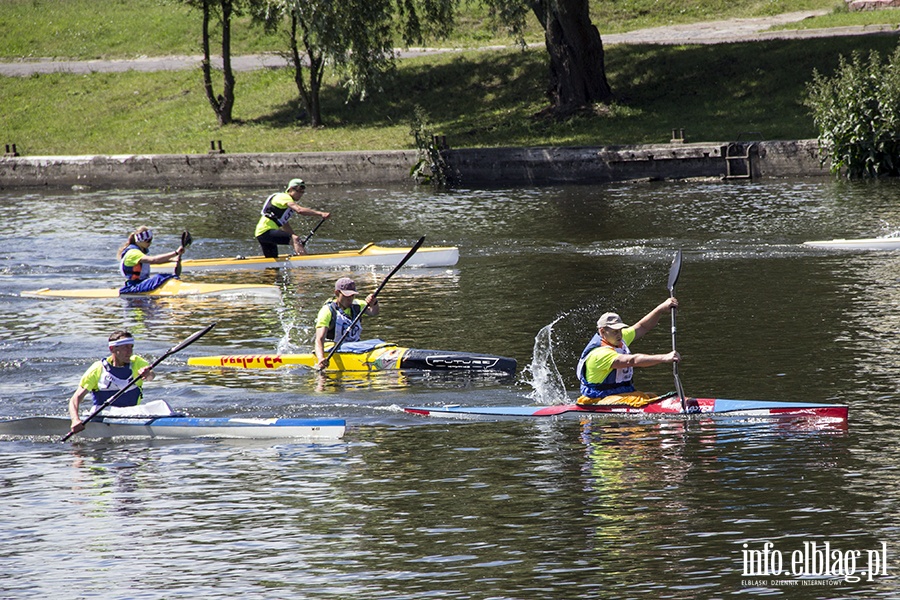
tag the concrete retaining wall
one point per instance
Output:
(473, 167)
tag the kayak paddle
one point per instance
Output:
(674, 272)
(307, 238)
(186, 241)
(374, 296)
(135, 379)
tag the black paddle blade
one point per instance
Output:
(186, 239)
(674, 272)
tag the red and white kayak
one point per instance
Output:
(670, 406)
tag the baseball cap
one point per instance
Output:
(296, 183)
(346, 286)
(611, 320)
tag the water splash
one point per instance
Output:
(542, 374)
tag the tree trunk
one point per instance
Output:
(310, 96)
(577, 69)
(223, 104)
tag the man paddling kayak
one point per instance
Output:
(273, 228)
(108, 376)
(607, 364)
(340, 313)
(135, 261)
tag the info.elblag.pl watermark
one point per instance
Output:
(816, 563)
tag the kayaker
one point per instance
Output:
(107, 376)
(134, 262)
(606, 365)
(338, 314)
(273, 228)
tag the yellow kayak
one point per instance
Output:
(367, 256)
(172, 287)
(368, 355)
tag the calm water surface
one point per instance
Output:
(406, 507)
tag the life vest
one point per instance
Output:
(279, 215)
(113, 379)
(340, 322)
(617, 382)
(137, 272)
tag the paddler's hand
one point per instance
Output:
(322, 364)
(77, 426)
(324, 215)
(672, 357)
(297, 243)
(669, 304)
(147, 373)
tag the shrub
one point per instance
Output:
(857, 113)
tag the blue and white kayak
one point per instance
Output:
(668, 406)
(178, 427)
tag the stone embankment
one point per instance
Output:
(472, 167)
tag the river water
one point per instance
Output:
(407, 507)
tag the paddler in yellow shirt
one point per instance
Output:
(273, 228)
(340, 314)
(106, 377)
(607, 364)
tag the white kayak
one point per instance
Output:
(369, 255)
(177, 426)
(171, 287)
(887, 242)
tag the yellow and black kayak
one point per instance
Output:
(368, 355)
(171, 287)
(368, 256)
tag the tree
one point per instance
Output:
(356, 36)
(222, 104)
(577, 77)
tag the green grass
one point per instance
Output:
(715, 93)
(88, 29)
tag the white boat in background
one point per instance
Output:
(890, 241)
(369, 255)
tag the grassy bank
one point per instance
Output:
(87, 29)
(715, 93)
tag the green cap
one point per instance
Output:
(296, 183)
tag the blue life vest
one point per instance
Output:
(340, 322)
(114, 379)
(135, 273)
(610, 385)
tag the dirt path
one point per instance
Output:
(711, 32)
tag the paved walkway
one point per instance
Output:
(711, 32)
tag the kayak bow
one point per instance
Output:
(888, 242)
(369, 255)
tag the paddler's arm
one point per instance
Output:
(321, 361)
(652, 318)
(159, 259)
(623, 361)
(373, 308)
(74, 404)
(307, 212)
